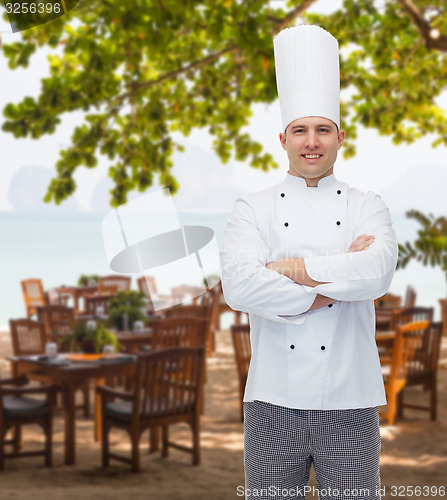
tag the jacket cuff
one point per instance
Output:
(305, 303)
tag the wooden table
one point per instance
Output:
(132, 342)
(77, 292)
(70, 374)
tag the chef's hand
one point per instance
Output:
(361, 243)
(321, 301)
(295, 269)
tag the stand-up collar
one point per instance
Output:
(299, 182)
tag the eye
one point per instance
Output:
(298, 131)
(324, 130)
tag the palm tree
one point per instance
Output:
(430, 247)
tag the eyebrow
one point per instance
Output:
(317, 126)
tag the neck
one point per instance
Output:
(310, 181)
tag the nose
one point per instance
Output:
(312, 140)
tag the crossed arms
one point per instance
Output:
(285, 289)
(295, 269)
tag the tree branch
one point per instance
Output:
(433, 38)
(279, 25)
(297, 11)
(177, 72)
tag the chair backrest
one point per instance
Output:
(168, 383)
(113, 283)
(410, 297)
(242, 349)
(206, 299)
(93, 302)
(27, 336)
(408, 343)
(33, 295)
(219, 290)
(443, 304)
(410, 315)
(208, 311)
(58, 320)
(178, 332)
(189, 311)
(423, 365)
(388, 300)
(215, 303)
(147, 283)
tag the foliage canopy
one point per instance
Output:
(145, 69)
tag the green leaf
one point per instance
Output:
(142, 71)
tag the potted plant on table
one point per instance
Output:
(125, 308)
(88, 338)
(88, 279)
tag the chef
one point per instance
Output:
(306, 258)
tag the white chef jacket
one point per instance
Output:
(325, 358)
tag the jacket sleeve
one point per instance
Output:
(360, 275)
(247, 284)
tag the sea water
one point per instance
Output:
(58, 248)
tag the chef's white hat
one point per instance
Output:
(307, 73)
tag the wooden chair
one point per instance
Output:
(17, 409)
(410, 315)
(422, 370)
(93, 303)
(188, 311)
(33, 295)
(178, 332)
(388, 301)
(409, 338)
(206, 311)
(224, 307)
(167, 391)
(53, 297)
(443, 304)
(206, 298)
(214, 319)
(143, 286)
(384, 308)
(410, 297)
(109, 285)
(242, 353)
(403, 316)
(58, 320)
(148, 285)
(28, 337)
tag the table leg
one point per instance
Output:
(76, 302)
(237, 318)
(98, 411)
(70, 427)
(154, 439)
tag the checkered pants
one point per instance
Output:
(282, 443)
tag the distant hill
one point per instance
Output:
(205, 183)
(422, 188)
(28, 187)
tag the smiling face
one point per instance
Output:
(312, 144)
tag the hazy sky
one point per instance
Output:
(377, 164)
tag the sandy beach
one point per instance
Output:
(414, 451)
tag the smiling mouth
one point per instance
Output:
(311, 157)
